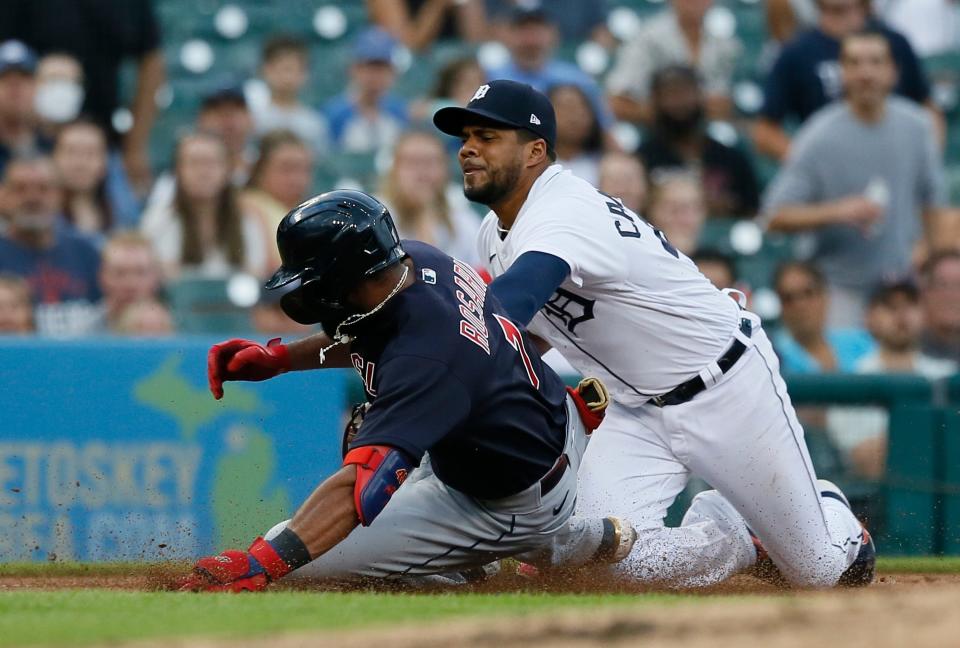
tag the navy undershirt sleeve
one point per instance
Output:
(527, 285)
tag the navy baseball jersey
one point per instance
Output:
(445, 371)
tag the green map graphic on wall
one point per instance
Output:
(245, 498)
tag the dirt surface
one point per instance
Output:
(910, 610)
(915, 610)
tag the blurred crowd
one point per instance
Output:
(843, 156)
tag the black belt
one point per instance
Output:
(552, 478)
(686, 391)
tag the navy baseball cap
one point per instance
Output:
(374, 45)
(14, 55)
(225, 92)
(504, 103)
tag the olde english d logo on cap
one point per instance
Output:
(481, 92)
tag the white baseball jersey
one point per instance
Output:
(633, 311)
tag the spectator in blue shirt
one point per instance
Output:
(59, 264)
(366, 117)
(806, 75)
(531, 39)
(805, 344)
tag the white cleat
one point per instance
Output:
(618, 539)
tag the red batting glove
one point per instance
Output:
(245, 360)
(237, 571)
(229, 571)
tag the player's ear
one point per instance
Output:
(537, 152)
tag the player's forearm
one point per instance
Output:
(796, 218)
(528, 284)
(329, 514)
(305, 354)
(770, 139)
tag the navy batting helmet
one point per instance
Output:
(329, 243)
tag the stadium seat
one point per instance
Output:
(202, 306)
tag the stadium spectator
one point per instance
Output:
(418, 23)
(145, 318)
(579, 144)
(676, 36)
(785, 18)
(18, 133)
(678, 210)
(895, 320)
(58, 100)
(129, 273)
(424, 205)
(532, 39)
(366, 117)
(805, 344)
(455, 84)
(203, 231)
(59, 264)
(717, 267)
(59, 92)
(92, 202)
(224, 112)
(622, 175)
(931, 26)
(16, 309)
(865, 178)
(102, 35)
(286, 69)
(576, 20)
(940, 298)
(807, 74)
(678, 140)
(279, 181)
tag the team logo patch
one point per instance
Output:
(569, 308)
(481, 92)
(401, 475)
(534, 119)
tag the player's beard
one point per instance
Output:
(502, 181)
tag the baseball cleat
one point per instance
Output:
(862, 570)
(482, 573)
(618, 538)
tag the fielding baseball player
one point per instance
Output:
(695, 384)
(445, 372)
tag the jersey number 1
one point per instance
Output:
(515, 338)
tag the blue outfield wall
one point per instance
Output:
(115, 450)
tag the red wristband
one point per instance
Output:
(279, 350)
(269, 559)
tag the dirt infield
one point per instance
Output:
(876, 618)
(913, 610)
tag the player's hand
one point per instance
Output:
(245, 360)
(230, 571)
(857, 211)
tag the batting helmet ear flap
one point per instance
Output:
(309, 304)
(293, 305)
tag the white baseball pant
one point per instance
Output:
(742, 436)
